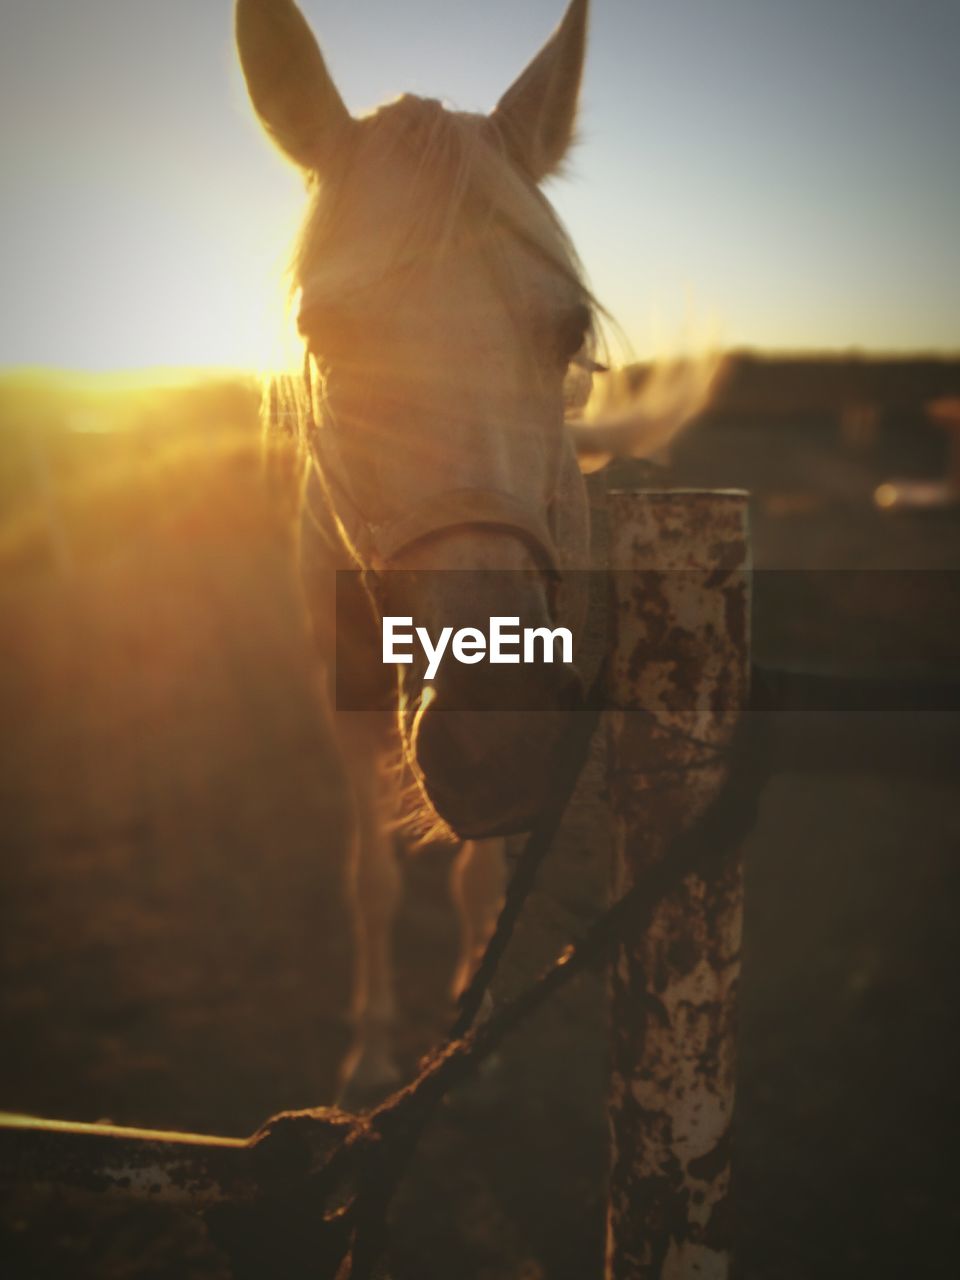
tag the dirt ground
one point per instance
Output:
(175, 950)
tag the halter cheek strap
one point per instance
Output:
(377, 546)
(463, 508)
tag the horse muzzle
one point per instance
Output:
(489, 772)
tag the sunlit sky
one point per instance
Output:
(781, 173)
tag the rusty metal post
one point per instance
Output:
(679, 679)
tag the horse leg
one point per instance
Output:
(374, 884)
(477, 880)
(347, 638)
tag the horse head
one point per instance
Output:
(442, 305)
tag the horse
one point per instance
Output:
(442, 311)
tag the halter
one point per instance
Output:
(376, 546)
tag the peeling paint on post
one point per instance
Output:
(680, 564)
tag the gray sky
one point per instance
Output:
(783, 173)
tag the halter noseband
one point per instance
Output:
(377, 546)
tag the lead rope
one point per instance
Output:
(337, 1213)
(386, 1139)
(569, 762)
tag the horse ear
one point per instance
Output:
(536, 115)
(288, 82)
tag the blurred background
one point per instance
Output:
(779, 179)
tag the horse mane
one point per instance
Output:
(465, 183)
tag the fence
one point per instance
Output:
(683, 783)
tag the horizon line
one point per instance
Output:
(163, 374)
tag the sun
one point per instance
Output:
(191, 280)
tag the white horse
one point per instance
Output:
(441, 306)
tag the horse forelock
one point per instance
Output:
(460, 181)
